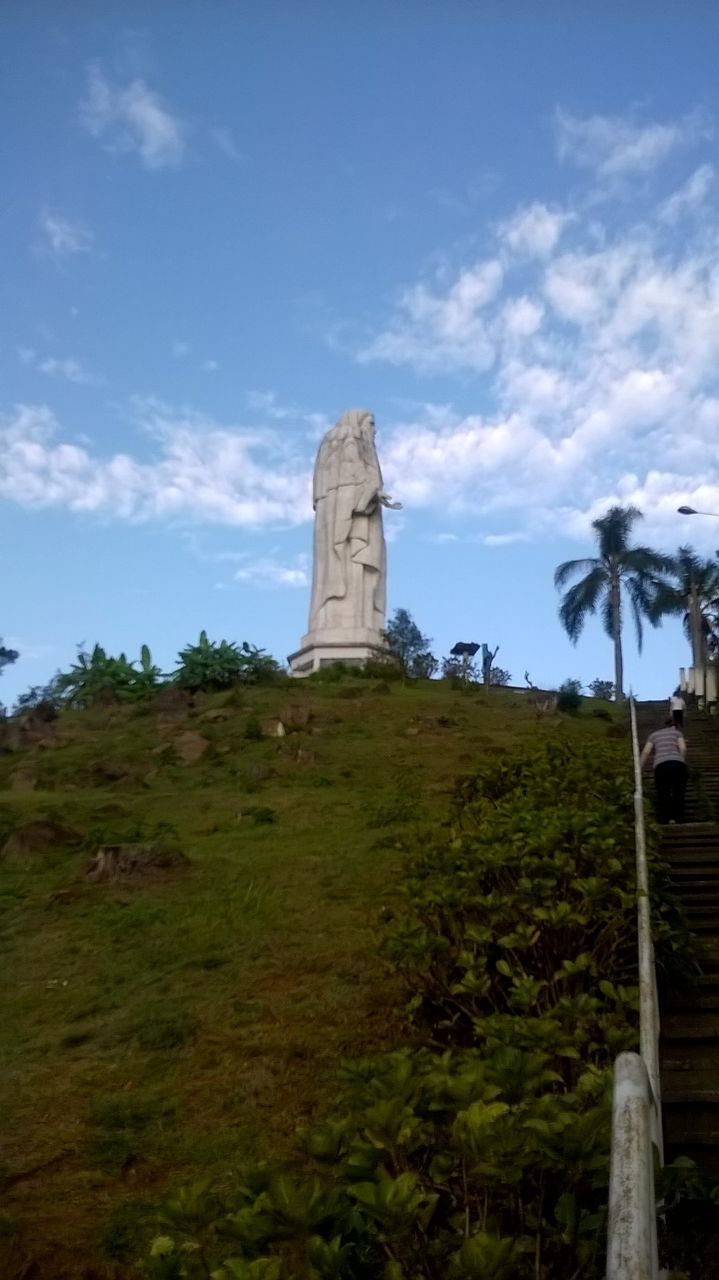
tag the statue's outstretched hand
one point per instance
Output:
(387, 502)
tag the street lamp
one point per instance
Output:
(690, 511)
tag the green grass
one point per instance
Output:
(166, 1031)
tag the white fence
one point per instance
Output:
(636, 1109)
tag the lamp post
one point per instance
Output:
(690, 511)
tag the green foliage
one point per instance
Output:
(212, 664)
(253, 729)
(603, 689)
(44, 696)
(498, 676)
(408, 646)
(98, 677)
(484, 1153)
(619, 570)
(459, 672)
(7, 656)
(569, 697)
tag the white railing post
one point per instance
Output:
(632, 1237)
(648, 998)
(632, 1252)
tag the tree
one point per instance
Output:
(460, 670)
(619, 570)
(498, 676)
(424, 666)
(602, 689)
(693, 593)
(407, 645)
(7, 656)
(569, 696)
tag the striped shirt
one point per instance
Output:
(666, 745)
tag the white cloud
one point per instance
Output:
(63, 236)
(522, 317)
(617, 147)
(201, 471)
(68, 368)
(268, 572)
(505, 539)
(133, 119)
(535, 230)
(434, 330)
(604, 366)
(690, 196)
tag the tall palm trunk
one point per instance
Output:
(697, 634)
(617, 637)
(695, 616)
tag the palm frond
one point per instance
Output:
(641, 559)
(581, 600)
(642, 596)
(608, 615)
(570, 569)
(613, 530)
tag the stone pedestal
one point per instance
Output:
(320, 649)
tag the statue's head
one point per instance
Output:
(356, 422)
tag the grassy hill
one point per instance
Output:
(159, 1030)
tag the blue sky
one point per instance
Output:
(222, 225)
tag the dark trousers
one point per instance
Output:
(670, 780)
(678, 718)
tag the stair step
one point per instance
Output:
(680, 1059)
(697, 1125)
(678, 1083)
(693, 1098)
(684, 1025)
(692, 1001)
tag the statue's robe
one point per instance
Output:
(350, 557)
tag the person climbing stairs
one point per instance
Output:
(689, 1044)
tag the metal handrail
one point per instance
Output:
(636, 1109)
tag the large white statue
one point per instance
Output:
(349, 579)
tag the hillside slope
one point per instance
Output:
(161, 1029)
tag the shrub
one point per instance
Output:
(570, 697)
(603, 689)
(486, 1154)
(211, 665)
(97, 676)
(253, 729)
(499, 676)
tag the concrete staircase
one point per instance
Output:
(689, 1047)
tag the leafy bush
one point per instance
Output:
(602, 689)
(40, 695)
(570, 696)
(460, 673)
(97, 676)
(212, 664)
(253, 729)
(486, 1154)
(7, 656)
(423, 666)
(498, 676)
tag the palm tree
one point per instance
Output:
(693, 592)
(618, 569)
